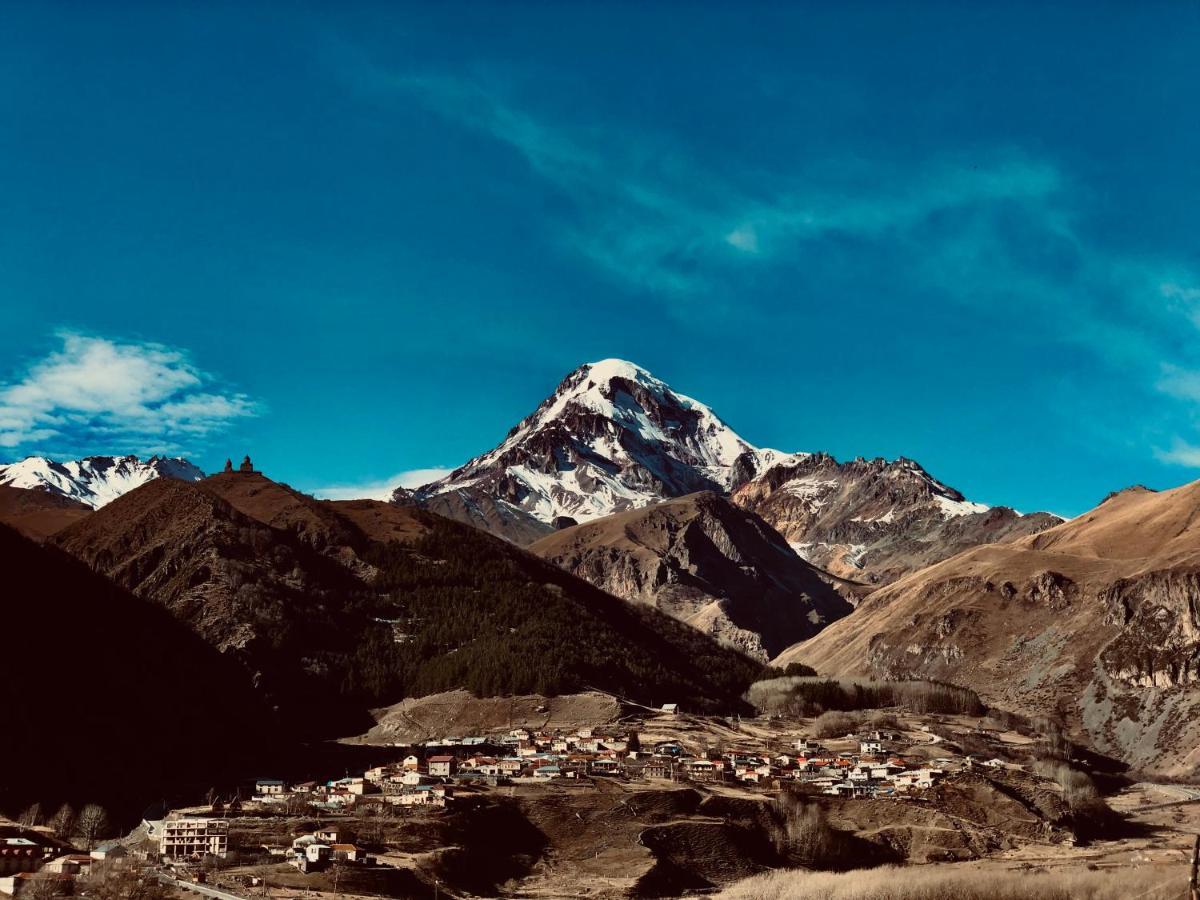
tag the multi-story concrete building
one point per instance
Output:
(185, 838)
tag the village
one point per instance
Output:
(239, 841)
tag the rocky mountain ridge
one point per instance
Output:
(875, 520)
(1095, 622)
(706, 562)
(612, 437)
(95, 480)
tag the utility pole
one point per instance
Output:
(1193, 885)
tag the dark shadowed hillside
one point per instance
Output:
(337, 607)
(108, 698)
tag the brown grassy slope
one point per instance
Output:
(38, 514)
(706, 562)
(1096, 620)
(957, 883)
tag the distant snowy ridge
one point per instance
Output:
(95, 480)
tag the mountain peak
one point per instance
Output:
(611, 437)
(95, 480)
(607, 369)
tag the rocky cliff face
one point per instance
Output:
(1095, 622)
(875, 520)
(704, 561)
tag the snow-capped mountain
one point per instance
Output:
(873, 520)
(95, 480)
(612, 437)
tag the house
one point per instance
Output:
(547, 772)
(426, 795)
(188, 838)
(700, 769)
(511, 766)
(442, 766)
(269, 787)
(317, 852)
(413, 777)
(671, 709)
(110, 850)
(606, 766)
(410, 763)
(347, 853)
(18, 854)
(71, 864)
(870, 746)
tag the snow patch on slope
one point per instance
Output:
(95, 480)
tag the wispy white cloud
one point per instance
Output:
(997, 232)
(1181, 453)
(650, 215)
(383, 488)
(102, 394)
(1181, 383)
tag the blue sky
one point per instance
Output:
(364, 241)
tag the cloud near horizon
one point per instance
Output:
(382, 489)
(108, 395)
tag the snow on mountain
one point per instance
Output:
(611, 437)
(875, 520)
(95, 480)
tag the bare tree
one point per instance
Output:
(125, 883)
(46, 886)
(802, 832)
(62, 823)
(32, 816)
(93, 823)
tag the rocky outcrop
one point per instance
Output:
(875, 520)
(704, 561)
(1095, 622)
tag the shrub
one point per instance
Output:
(834, 724)
(807, 695)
